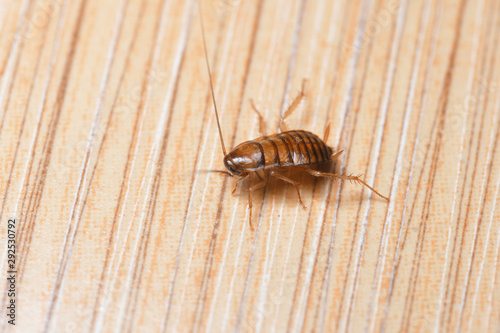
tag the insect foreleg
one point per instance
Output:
(237, 182)
(255, 187)
(224, 172)
(344, 177)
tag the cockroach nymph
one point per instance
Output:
(265, 156)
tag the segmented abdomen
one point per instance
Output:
(293, 148)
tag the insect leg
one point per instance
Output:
(337, 154)
(292, 107)
(224, 172)
(255, 187)
(262, 124)
(237, 182)
(352, 178)
(327, 133)
(288, 180)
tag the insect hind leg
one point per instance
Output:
(352, 178)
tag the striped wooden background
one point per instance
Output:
(106, 121)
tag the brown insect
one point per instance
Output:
(266, 156)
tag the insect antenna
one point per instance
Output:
(210, 78)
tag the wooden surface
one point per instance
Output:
(106, 122)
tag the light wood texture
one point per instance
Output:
(106, 121)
